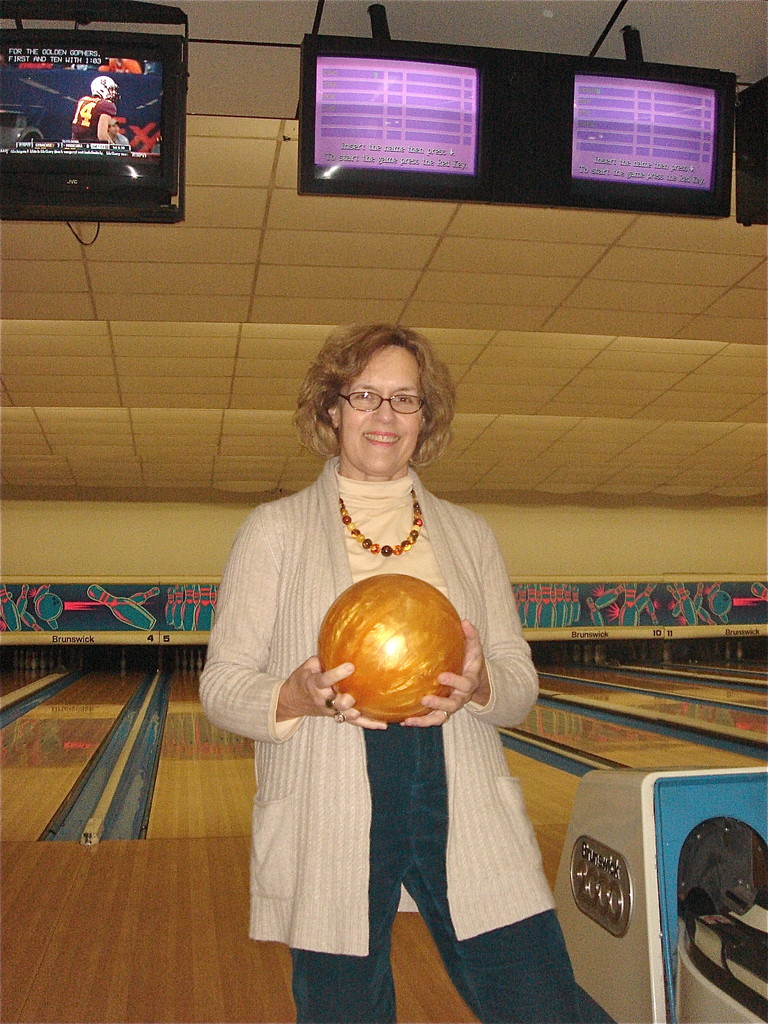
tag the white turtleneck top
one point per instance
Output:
(383, 511)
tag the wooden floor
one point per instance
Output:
(156, 931)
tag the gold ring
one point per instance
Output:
(329, 702)
(339, 717)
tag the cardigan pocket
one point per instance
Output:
(274, 848)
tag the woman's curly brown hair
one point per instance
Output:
(343, 357)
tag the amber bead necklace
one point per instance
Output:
(385, 549)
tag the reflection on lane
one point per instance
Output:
(632, 747)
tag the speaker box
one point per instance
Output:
(752, 154)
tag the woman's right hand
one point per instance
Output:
(309, 691)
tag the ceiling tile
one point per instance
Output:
(49, 366)
(196, 307)
(632, 359)
(208, 206)
(502, 289)
(43, 275)
(674, 346)
(518, 374)
(634, 323)
(27, 240)
(598, 375)
(340, 248)
(55, 346)
(728, 329)
(473, 315)
(740, 302)
(38, 305)
(256, 388)
(756, 411)
(81, 421)
(386, 216)
(157, 364)
(525, 342)
(622, 263)
(693, 405)
(167, 279)
(519, 222)
(643, 296)
(312, 310)
(169, 421)
(292, 370)
(47, 386)
(519, 257)
(176, 243)
(335, 282)
(712, 382)
(757, 279)
(239, 162)
(683, 234)
(134, 388)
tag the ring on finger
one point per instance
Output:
(329, 702)
(446, 713)
(339, 717)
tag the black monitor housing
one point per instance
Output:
(403, 119)
(57, 84)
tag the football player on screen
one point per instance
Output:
(94, 113)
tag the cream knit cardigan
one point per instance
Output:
(311, 815)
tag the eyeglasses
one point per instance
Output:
(367, 401)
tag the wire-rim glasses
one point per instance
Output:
(368, 401)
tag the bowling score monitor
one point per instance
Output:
(47, 172)
(651, 137)
(398, 119)
(403, 119)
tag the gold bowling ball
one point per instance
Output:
(400, 633)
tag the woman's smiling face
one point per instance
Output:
(378, 445)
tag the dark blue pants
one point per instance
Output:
(517, 973)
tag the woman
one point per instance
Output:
(347, 808)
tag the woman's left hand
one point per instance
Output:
(473, 684)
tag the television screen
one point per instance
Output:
(395, 115)
(650, 137)
(391, 119)
(91, 125)
(637, 130)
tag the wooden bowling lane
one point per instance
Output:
(18, 678)
(728, 720)
(549, 795)
(746, 697)
(205, 781)
(44, 752)
(647, 749)
(729, 673)
(17, 671)
(185, 684)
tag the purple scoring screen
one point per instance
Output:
(397, 115)
(649, 133)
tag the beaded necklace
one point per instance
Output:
(385, 549)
